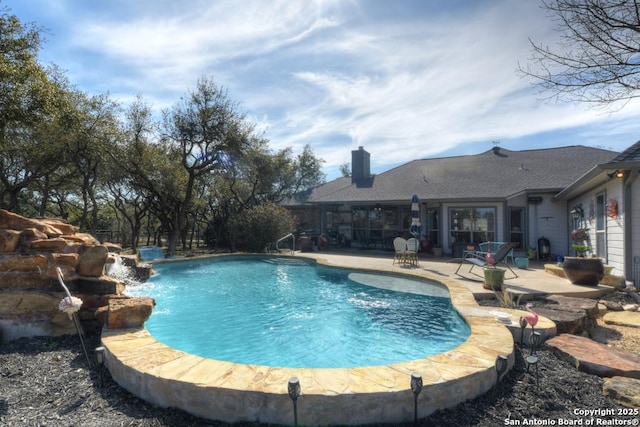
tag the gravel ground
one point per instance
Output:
(46, 381)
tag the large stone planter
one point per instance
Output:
(493, 278)
(583, 271)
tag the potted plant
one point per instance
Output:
(493, 276)
(532, 253)
(580, 249)
(582, 270)
(437, 250)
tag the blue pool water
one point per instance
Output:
(291, 313)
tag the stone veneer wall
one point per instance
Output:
(30, 252)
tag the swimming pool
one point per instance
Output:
(236, 392)
(293, 313)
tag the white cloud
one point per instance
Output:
(406, 80)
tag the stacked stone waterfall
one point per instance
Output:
(30, 252)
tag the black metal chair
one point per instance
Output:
(500, 257)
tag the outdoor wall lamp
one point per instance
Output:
(577, 212)
(617, 173)
(416, 388)
(294, 392)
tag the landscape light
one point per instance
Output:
(294, 392)
(416, 388)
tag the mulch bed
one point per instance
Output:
(45, 381)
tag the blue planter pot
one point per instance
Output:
(522, 263)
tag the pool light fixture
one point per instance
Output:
(293, 389)
(416, 388)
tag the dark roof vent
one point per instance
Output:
(496, 150)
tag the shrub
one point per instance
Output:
(254, 228)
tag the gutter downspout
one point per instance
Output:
(628, 241)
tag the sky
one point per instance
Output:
(405, 79)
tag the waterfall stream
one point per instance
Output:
(119, 270)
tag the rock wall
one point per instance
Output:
(30, 252)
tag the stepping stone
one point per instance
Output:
(623, 318)
(595, 358)
(625, 391)
(570, 322)
(590, 306)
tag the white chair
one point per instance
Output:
(400, 247)
(411, 255)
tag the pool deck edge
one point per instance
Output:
(232, 392)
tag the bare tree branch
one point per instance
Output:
(597, 59)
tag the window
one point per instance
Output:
(472, 225)
(516, 226)
(335, 219)
(433, 225)
(379, 224)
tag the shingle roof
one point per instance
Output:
(631, 154)
(494, 174)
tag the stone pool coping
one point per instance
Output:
(233, 392)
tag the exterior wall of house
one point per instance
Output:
(544, 219)
(614, 240)
(548, 219)
(633, 215)
(615, 228)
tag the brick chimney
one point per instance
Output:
(360, 165)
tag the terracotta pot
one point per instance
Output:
(583, 271)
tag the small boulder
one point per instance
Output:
(590, 306)
(125, 313)
(70, 260)
(23, 263)
(92, 261)
(625, 391)
(9, 241)
(595, 358)
(571, 322)
(612, 305)
(30, 234)
(12, 221)
(114, 248)
(623, 318)
(24, 280)
(58, 224)
(46, 245)
(104, 285)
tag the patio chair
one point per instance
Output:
(400, 247)
(494, 246)
(500, 257)
(411, 255)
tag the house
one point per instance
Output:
(606, 201)
(536, 198)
